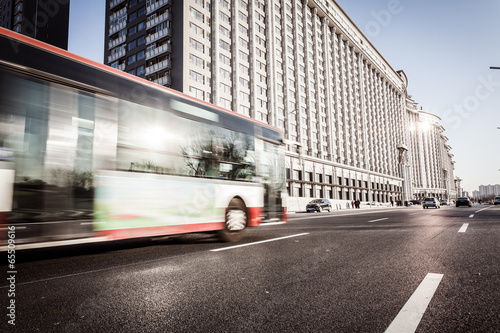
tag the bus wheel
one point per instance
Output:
(236, 221)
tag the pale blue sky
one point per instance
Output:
(445, 48)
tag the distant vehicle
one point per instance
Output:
(431, 202)
(415, 202)
(318, 205)
(497, 201)
(464, 201)
(444, 203)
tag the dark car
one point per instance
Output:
(415, 202)
(318, 205)
(463, 202)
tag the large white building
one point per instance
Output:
(489, 190)
(352, 132)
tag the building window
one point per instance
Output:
(225, 103)
(244, 83)
(197, 93)
(224, 59)
(224, 4)
(131, 59)
(196, 61)
(224, 73)
(196, 29)
(225, 18)
(197, 77)
(244, 69)
(141, 70)
(225, 88)
(196, 14)
(224, 45)
(140, 55)
(224, 31)
(196, 45)
(243, 56)
(132, 45)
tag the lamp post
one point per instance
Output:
(457, 186)
(404, 172)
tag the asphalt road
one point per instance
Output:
(435, 270)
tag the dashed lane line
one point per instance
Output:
(259, 242)
(464, 227)
(412, 312)
(385, 218)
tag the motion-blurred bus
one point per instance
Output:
(89, 151)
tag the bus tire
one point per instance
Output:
(236, 221)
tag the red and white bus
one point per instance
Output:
(87, 150)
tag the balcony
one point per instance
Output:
(115, 3)
(115, 42)
(157, 20)
(158, 51)
(116, 55)
(158, 35)
(118, 27)
(157, 5)
(164, 80)
(158, 67)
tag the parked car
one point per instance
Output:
(464, 201)
(415, 202)
(319, 205)
(431, 202)
(497, 201)
(445, 203)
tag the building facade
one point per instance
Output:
(45, 20)
(302, 66)
(431, 160)
(488, 191)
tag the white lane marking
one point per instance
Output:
(259, 242)
(464, 227)
(57, 243)
(411, 314)
(414, 213)
(481, 210)
(471, 216)
(385, 218)
(270, 223)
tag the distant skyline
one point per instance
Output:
(445, 48)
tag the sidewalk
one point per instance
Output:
(362, 208)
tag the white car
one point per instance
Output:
(497, 201)
(431, 202)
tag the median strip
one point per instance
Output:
(412, 312)
(259, 242)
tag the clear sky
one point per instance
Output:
(445, 48)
